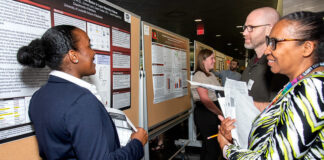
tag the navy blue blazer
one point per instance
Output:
(71, 123)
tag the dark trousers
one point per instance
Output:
(207, 123)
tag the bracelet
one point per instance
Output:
(225, 149)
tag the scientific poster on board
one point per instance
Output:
(169, 66)
(22, 21)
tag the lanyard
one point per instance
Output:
(288, 86)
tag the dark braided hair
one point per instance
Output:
(310, 27)
(50, 49)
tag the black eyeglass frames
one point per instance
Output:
(273, 41)
(250, 27)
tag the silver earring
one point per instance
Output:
(76, 61)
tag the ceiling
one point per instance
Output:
(218, 17)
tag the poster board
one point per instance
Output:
(166, 62)
(220, 61)
(228, 60)
(34, 17)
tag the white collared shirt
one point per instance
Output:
(92, 88)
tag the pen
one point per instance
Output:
(213, 136)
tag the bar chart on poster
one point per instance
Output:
(167, 66)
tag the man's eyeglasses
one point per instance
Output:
(272, 42)
(250, 27)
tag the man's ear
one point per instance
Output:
(268, 30)
(73, 56)
(308, 47)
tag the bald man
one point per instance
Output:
(263, 85)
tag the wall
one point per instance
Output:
(290, 6)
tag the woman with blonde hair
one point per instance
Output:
(206, 106)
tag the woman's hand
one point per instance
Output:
(208, 103)
(140, 135)
(222, 140)
(226, 126)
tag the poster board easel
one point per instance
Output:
(166, 110)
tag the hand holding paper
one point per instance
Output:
(124, 126)
(238, 105)
(140, 135)
(226, 126)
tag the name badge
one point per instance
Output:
(250, 84)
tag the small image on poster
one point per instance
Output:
(99, 37)
(102, 78)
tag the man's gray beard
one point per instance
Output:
(249, 46)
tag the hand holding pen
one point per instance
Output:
(227, 124)
(213, 136)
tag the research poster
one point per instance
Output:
(21, 21)
(169, 66)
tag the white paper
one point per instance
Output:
(123, 125)
(169, 72)
(146, 30)
(121, 99)
(12, 112)
(102, 78)
(120, 39)
(121, 80)
(239, 105)
(121, 60)
(19, 25)
(60, 19)
(207, 86)
(236, 104)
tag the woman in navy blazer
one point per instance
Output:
(70, 122)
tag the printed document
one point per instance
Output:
(123, 125)
(236, 104)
